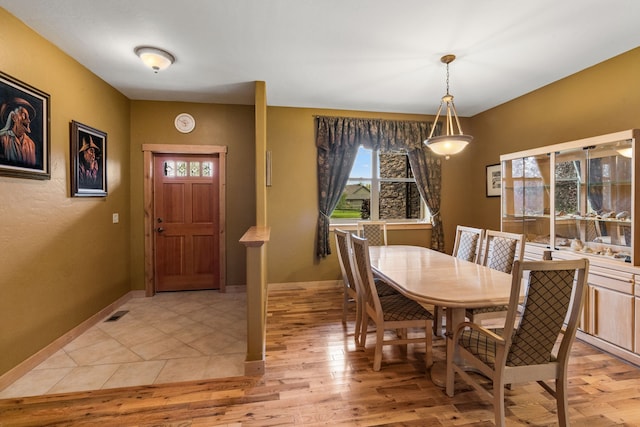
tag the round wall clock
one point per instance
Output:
(185, 122)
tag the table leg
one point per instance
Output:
(455, 316)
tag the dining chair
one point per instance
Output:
(391, 312)
(466, 246)
(374, 231)
(345, 259)
(536, 346)
(499, 251)
(467, 243)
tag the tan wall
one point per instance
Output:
(226, 125)
(62, 258)
(599, 100)
(293, 198)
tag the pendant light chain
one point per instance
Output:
(447, 78)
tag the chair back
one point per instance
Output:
(555, 291)
(343, 245)
(501, 249)
(364, 275)
(374, 231)
(467, 243)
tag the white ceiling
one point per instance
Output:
(372, 55)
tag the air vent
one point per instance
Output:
(117, 315)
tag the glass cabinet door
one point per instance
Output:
(569, 196)
(526, 197)
(593, 196)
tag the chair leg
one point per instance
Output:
(498, 402)
(357, 333)
(345, 307)
(363, 329)
(377, 357)
(437, 322)
(562, 401)
(428, 356)
(403, 334)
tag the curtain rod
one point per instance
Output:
(316, 116)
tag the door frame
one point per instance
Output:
(149, 153)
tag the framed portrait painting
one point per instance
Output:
(24, 130)
(88, 161)
(494, 180)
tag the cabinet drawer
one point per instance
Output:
(615, 280)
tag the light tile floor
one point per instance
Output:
(170, 337)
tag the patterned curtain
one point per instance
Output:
(426, 169)
(337, 142)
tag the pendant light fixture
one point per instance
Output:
(450, 142)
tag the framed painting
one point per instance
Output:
(494, 180)
(24, 130)
(88, 161)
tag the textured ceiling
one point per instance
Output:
(372, 55)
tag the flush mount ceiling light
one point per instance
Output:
(451, 142)
(154, 58)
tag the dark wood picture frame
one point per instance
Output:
(494, 180)
(88, 161)
(24, 130)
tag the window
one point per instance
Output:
(179, 168)
(381, 186)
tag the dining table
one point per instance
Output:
(434, 278)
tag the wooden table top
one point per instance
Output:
(432, 277)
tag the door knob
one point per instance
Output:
(159, 229)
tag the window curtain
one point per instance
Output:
(337, 142)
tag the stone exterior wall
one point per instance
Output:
(397, 200)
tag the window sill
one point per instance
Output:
(390, 226)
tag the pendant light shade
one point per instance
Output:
(453, 139)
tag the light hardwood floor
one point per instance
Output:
(314, 376)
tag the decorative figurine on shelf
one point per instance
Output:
(576, 245)
(622, 215)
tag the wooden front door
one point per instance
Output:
(186, 222)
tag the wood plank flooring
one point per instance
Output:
(314, 377)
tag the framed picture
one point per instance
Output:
(24, 130)
(494, 180)
(88, 161)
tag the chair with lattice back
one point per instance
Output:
(467, 243)
(466, 246)
(499, 251)
(392, 312)
(345, 259)
(536, 346)
(374, 231)
(343, 247)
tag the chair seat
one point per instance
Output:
(384, 289)
(480, 345)
(482, 310)
(398, 307)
